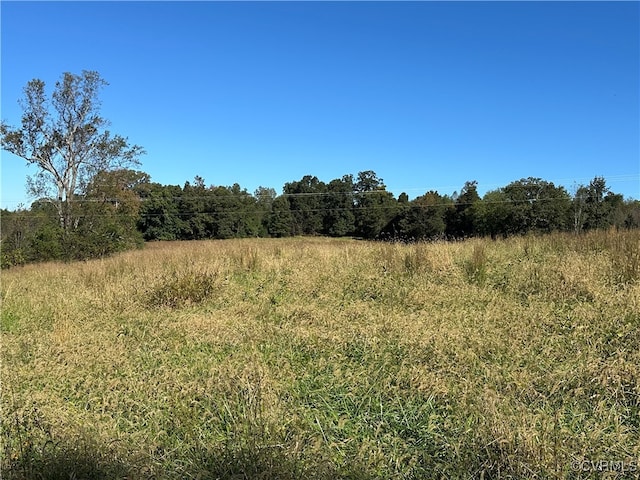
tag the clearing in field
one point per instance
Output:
(322, 358)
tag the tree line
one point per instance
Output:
(91, 202)
(121, 209)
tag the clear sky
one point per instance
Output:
(427, 94)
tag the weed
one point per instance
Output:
(624, 249)
(248, 259)
(183, 289)
(9, 321)
(416, 259)
(475, 268)
(30, 449)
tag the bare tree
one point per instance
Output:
(66, 138)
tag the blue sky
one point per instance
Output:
(427, 94)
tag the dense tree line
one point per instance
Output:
(120, 209)
(92, 204)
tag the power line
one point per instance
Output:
(352, 194)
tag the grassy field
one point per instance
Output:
(327, 358)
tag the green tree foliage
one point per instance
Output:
(194, 221)
(281, 221)
(197, 212)
(526, 205)
(338, 205)
(631, 214)
(159, 212)
(30, 235)
(107, 221)
(461, 220)
(596, 206)
(537, 205)
(250, 219)
(47, 239)
(493, 214)
(374, 206)
(596, 210)
(264, 201)
(233, 213)
(422, 218)
(305, 202)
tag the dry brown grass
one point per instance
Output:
(321, 358)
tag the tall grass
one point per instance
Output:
(326, 358)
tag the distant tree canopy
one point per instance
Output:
(119, 208)
(527, 205)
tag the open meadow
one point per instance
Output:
(326, 358)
